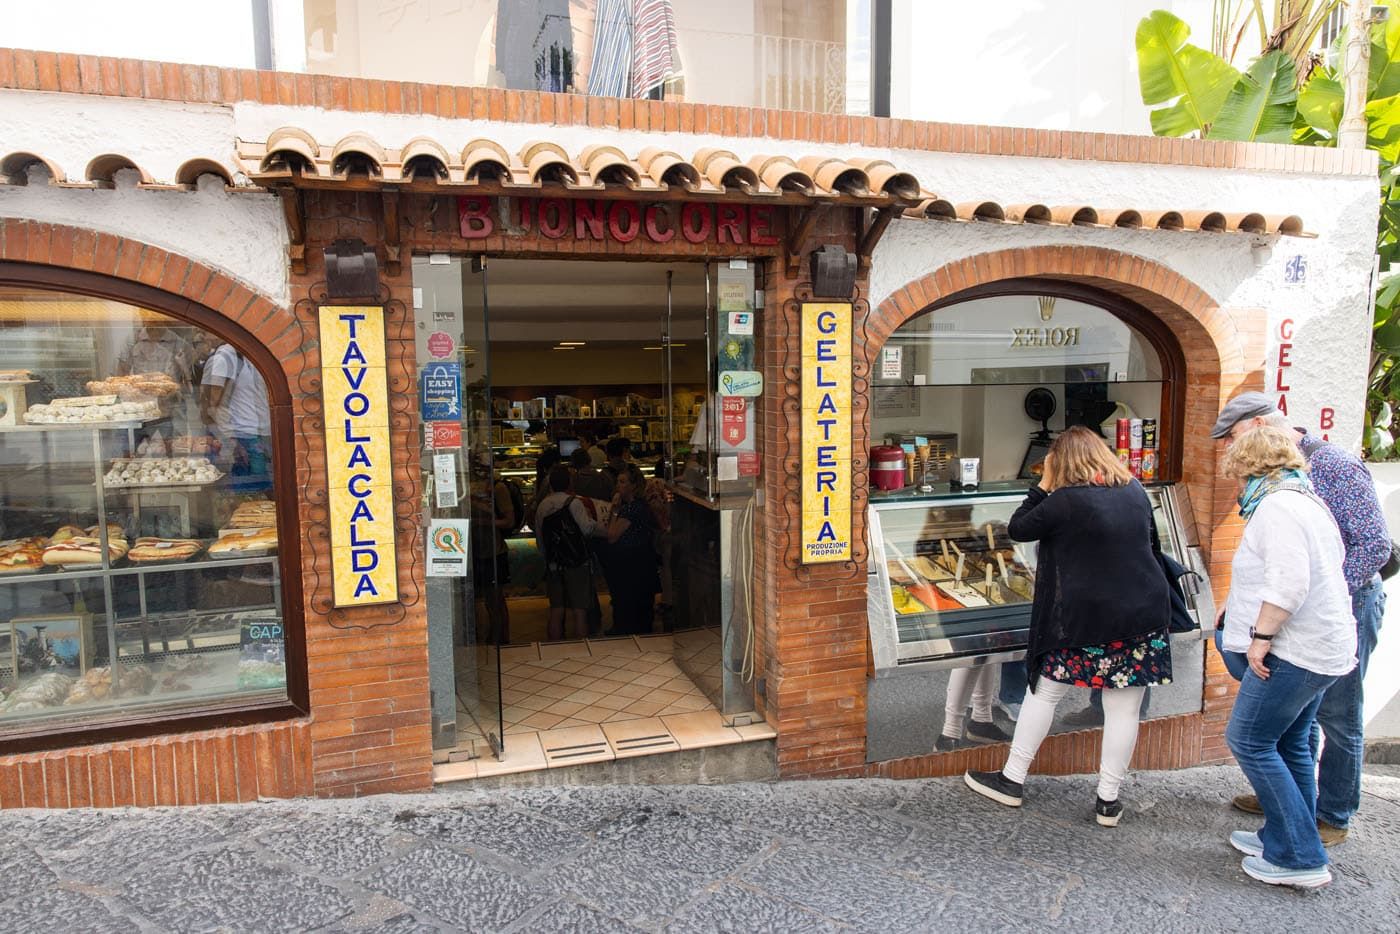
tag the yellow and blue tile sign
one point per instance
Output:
(826, 432)
(359, 470)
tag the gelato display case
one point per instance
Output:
(947, 584)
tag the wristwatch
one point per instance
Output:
(1263, 637)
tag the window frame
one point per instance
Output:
(227, 712)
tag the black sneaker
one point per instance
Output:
(1107, 813)
(947, 744)
(994, 785)
(986, 733)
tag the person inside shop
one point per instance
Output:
(1099, 615)
(589, 481)
(1340, 480)
(233, 405)
(630, 558)
(1288, 630)
(492, 517)
(158, 348)
(588, 443)
(619, 457)
(563, 527)
(549, 459)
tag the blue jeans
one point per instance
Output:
(1236, 663)
(1268, 733)
(1340, 717)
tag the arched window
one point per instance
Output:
(139, 566)
(996, 375)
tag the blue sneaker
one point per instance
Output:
(1257, 867)
(1247, 842)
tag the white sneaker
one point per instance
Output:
(1247, 842)
(1257, 867)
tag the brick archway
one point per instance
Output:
(1215, 346)
(1223, 351)
(65, 247)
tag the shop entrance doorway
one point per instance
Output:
(554, 388)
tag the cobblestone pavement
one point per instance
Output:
(795, 856)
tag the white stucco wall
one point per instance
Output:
(243, 234)
(1330, 311)
(239, 233)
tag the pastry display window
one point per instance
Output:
(139, 575)
(947, 582)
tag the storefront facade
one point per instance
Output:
(1194, 246)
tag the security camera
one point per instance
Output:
(1379, 13)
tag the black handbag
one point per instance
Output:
(1392, 564)
(1181, 619)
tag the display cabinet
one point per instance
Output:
(947, 584)
(127, 618)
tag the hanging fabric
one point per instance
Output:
(610, 73)
(654, 56)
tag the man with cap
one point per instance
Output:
(1344, 484)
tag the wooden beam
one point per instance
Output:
(800, 224)
(294, 213)
(392, 238)
(874, 232)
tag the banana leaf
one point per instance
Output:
(1191, 82)
(1262, 104)
(1320, 103)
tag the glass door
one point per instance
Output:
(467, 511)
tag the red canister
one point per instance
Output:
(887, 467)
(1125, 433)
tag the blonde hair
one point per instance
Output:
(1079, 457)
(1262, 452)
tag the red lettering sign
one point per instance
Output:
(1328, 419)
(475, 215)
(620, 221)
(444, 436)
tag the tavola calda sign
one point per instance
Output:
(355, 393)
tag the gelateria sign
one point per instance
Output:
(826, 432)
(618, 221)
(355, 393)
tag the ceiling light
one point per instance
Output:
(563, 348)
(572, 343)
(653, 348)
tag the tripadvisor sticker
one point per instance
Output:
(741, 383)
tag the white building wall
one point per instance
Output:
(244, 235)
(239, 233)
(1048, 64)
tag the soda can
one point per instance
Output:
(1124, 434)
(1149, 464)
(1124, 456)
(1135, 463)
(1149, 433)
(1135, 437)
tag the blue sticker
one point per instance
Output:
(440, 392)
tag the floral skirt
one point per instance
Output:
(1131, 663)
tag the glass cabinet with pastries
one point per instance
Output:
(947, 583)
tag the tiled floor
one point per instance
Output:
(569, 703)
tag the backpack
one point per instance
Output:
(564, 544)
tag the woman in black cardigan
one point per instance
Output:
(1100, 614)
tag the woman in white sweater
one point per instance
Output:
(1288, 618)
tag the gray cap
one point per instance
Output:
(1245, 405)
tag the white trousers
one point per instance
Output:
(981, 683)
(1120, 728)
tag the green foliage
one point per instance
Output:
(1262, 105)
(1191, 82)
(1206, 97)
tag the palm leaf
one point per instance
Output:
(1262, 104)
(1191, 82)
(1320, 103)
